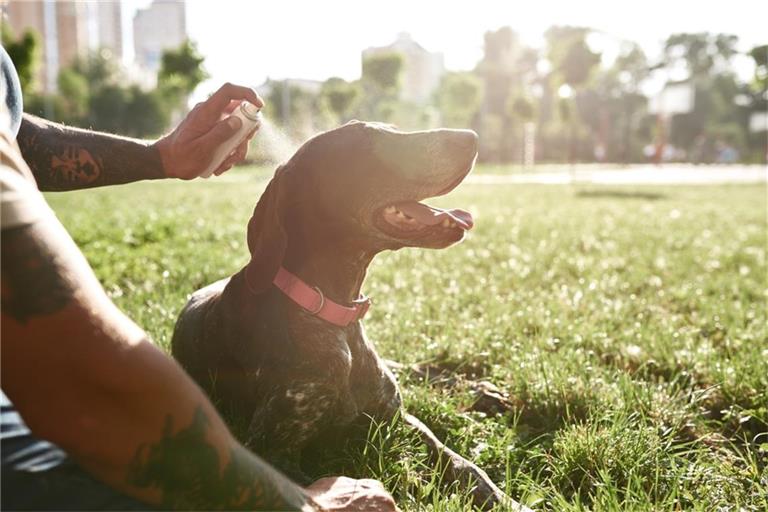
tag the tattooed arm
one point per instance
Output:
(85, 377)
(66, 158)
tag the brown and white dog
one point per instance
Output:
(281, 342)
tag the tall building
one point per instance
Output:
(109, 26)
(422, 70)
(160, 26)
(67, 29)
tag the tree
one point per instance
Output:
(340, 96)
(181, 70)
(107, 108)
(500, 51)
(145, 114)
(714, 120)
(292, 107)
(701, 53)
(523, 110)
(573, 63)
(383, 71)
(760, 80)
(613, 107)
(74, 97)
(99, 68)
(458, 98)
(380, 80)
(568, 52)
(758, 94)
(508, 69)
(25, 55)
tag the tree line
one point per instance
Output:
(93, 91)
(563, 102)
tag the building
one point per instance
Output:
(159, 27)
(311, 87)
(422, 70)
(108, 32)
(67, 29)
(63, 30)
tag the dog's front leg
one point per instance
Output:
(289, 417)
(485, 494)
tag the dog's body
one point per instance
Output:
(326, 213)
(265, 358)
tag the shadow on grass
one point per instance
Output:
(620, 194)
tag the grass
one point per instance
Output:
(627, 330)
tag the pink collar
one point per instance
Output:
(316, 303)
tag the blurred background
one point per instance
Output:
(542, 83)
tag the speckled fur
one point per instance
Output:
(261, 356)
(294, 375)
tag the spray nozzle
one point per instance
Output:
(250, 111)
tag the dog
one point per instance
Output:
(281, 342)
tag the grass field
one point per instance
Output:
(624, 327)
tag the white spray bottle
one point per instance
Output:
(250, 115)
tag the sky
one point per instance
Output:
(246, 41)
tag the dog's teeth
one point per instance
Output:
(446, 223)
(390, 209)
(400, 214)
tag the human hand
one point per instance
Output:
(342, 494)
(188, 150)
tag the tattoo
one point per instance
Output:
(33, 280)
(186, 469)
(65, 158)
(75, 167)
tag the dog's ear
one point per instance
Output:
(267, 237)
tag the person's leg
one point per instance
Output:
(37, 475)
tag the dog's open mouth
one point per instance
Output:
(414, 216)
(410, 218)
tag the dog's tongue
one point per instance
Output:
(432, 216)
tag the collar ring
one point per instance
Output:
(322, 302)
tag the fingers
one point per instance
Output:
(229, 92)
(345, 484)
(322, 485)
(232, 106)
(221, 131)
(350, 495)
(252, 133)
(235, 158)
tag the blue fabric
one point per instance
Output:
(13, 99)
(37, 475)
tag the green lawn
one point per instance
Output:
(626, 326)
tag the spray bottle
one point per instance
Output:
(250, 115)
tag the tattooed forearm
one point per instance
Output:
(33, 280)
(65, 158)
(188, 473)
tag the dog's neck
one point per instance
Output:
(337, 270)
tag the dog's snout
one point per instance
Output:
(464, 139)
(459, 143)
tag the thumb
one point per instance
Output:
(220, 132)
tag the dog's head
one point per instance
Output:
(361, 184)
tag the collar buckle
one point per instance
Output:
(362, 305)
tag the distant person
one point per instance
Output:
(699, 150)
(726, 153)
(98, 417)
